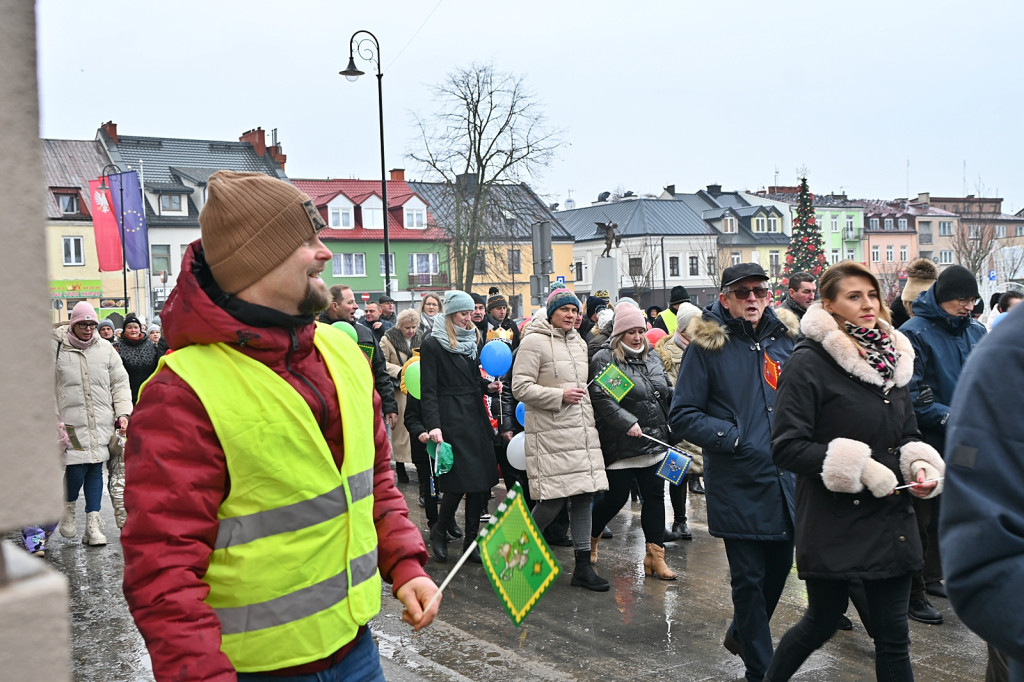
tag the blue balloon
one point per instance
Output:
(521, 414)
(496, 358)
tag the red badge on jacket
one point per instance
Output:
(771, 371)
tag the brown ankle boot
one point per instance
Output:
(654, 563)
(593, 549)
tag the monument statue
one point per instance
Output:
(611, 236)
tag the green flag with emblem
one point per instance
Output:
(612, 380)
(516, 558)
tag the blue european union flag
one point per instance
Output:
(136, 238)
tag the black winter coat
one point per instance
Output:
(843, 535)
(381, 379)
(452, 399)
(646, 404)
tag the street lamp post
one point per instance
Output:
(124, 256)
(368, 48)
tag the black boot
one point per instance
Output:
(474, 556)
(695, 485)
(454, 531)
(403, 475)
(584, 576)
(682, 530)
(439, 543)
(670, 535)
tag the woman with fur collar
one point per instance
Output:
(845, 424)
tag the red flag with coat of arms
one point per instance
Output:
(771, 371)
(105, 227)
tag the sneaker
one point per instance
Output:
(922, 611)
(936, 589)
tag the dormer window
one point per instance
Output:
(172, 203)
(415, 218)
(760, 224)
(729, 225)
(341, 218)
(68, 204)
(373, 218)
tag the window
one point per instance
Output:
(945, 228)
(734, 258)
(773, 224)
(974, 231)
(819, 220)
(1000, 231)
(423, 264)
(946, 257)
(160, 258)
(888, 224)
(373, 219)
(184, 250)
(925, 254)
(711, 268)
(415, 218)
(903, 253)
(849, 222)
(348, 265)
(73, 251)
(577, 269)
(729, 225)
(850, 254)
(835, 256)
(170, 203)
(694, 266)
(760, 224)
(873, 223)
(875, 257)
(480, 262)
(391, 260)
(1019, 231)
(68, 203)
(341, 218)
(636, 267)
(514, 262)
(774, 264)
(903, 224)
(889, 256)
(673, 266)
(835, 222)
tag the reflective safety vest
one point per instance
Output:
(670, 320)
(293, 574)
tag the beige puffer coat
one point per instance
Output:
(401, 449)
(563, 452)
(92, 390)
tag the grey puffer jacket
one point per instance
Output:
(92, 390)
(646, 404)
(563, 452)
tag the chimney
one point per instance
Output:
(398, 174)
(257, 139)
(278, 155)
(924, 198)
(110, 129)
(671, 189)
(714, 190)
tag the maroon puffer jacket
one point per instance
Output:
(176, 478)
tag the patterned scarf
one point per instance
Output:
(876, 347)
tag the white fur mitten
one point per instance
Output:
(878, 478)
(843, 464)
(918, 456)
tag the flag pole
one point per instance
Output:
(448, 579)
(661, 442)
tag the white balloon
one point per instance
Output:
(517, 451)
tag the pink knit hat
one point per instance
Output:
(627, 316)
(83, 312)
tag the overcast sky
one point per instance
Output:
(647, 93)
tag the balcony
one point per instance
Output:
(427, 281)
(851, 234)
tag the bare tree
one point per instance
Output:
(643, 263)
(1008, 259)
(973, 244)
(715, 255)
(488, 129)
(888, 274)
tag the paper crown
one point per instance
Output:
(500, 334)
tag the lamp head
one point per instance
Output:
(351, 73)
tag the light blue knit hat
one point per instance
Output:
(457, 301)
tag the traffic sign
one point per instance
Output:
(991, 275)
(366, 297)
(560, 279)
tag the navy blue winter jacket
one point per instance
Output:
(724, 401)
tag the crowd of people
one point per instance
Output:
(815, 428)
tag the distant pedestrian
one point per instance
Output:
(106, 330)
(430, 308)
(139, 355)
(801, 292)
(397, 348)
(666, 320)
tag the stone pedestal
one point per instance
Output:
(606, 278)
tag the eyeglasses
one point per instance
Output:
(87, 325)
(965, 302)
(743, 294)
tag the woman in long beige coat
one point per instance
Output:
(563, 451)
(397, 345)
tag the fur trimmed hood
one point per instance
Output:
(712, 330)
(819, 325)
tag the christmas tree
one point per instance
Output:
(805, 252)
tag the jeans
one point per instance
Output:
(92, 476)
(652, 494)
(580, 515)
(362, 664)
(758, 571)
(826, 602)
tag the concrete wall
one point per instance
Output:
(33, 612)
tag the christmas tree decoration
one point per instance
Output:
(806, 252)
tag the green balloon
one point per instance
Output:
(347, 328)
(412, 380)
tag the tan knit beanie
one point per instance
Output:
(921, 274)
(250, 224)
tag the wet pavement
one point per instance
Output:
(642, 627)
